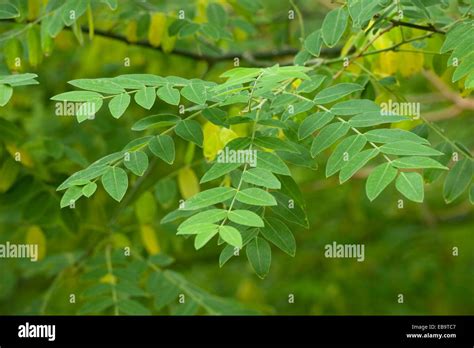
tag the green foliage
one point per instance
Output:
(7, 82)
(271, 85)
(284, 119)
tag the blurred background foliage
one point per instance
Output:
(409, 251)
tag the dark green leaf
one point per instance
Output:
(314, 122)
(356, 163)
(155, 121)
(259, 255)
(190, 130)
(162, 146)
(328, 136)
(458, 179)
(279, 234)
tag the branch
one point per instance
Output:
(212, 59)
(461, 103)
(417, 26)
(252, 58)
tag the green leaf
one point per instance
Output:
(464, 68)
(334, 25)
(259, 255)
(163, 290)
(379, 179)
(356, 163)
(71, 195)
(471, 194)
(314, 122)
(231, 236)
(343, 152)
(83, 176)
(155, 121)
(280, 235)
(137, 162)
(390, 135)
(145, 97)
(175, 215)
(188, 29)
(190, 130)
(195, 92)
(209, 197)
(312, 84)
(119, 104)
(203, 237)
(138, 143)
(353, 107)
(271, 162)
(115, 182)
(217, 170)
(362, 11)
(216, 15)
(246, 218)
(336, 92)
(289, 210)
(255, 196)
(229, 251)
(18, 79)
(328, 136)
(89, 189)
(74, 96)
(207, 216)
(132, 307)
(169, 94)
(456, 36)
(88, 110)
(274, 143)
(313, 43)
(408, 148)
(216, 116)
(261, 177)
(197, 228)
(162, 146)
(96, 305)
(411, 186)
(373, 118)
(54, 23)
(417, 162)
(430, 175)
(291, 188)
(6, 93)
(8, 11)
(98, 85)
(458, 179)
